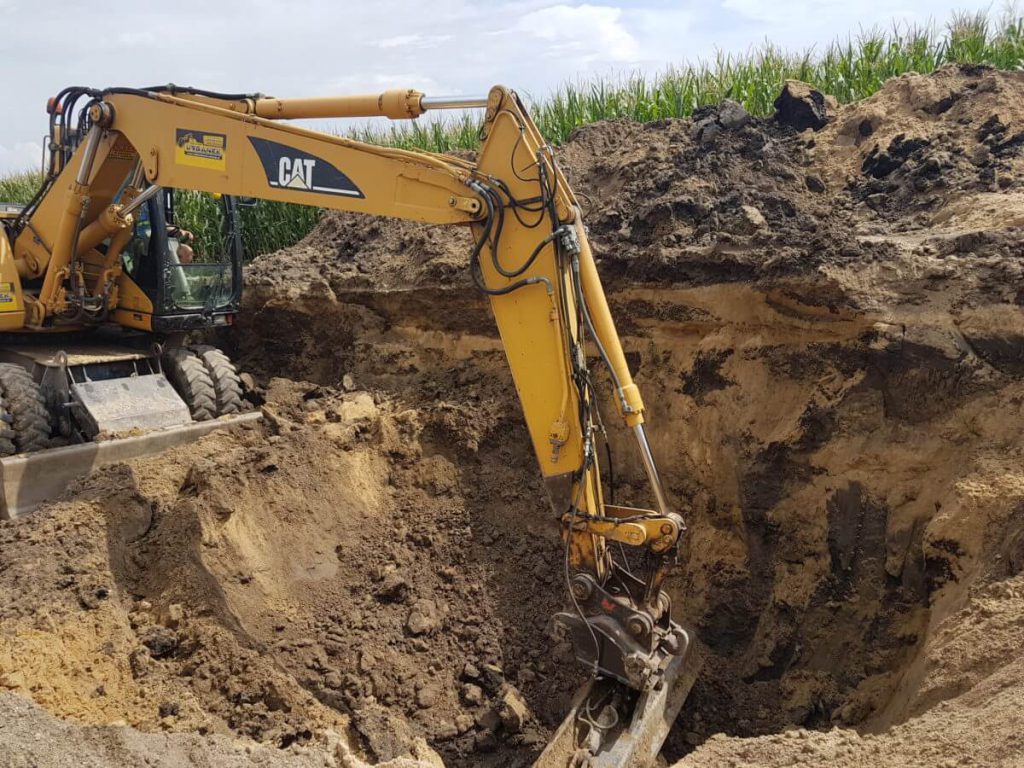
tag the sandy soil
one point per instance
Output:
(827, 328)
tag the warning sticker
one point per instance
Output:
(122, 150)
(201, 149)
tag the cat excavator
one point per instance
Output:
(96, 301)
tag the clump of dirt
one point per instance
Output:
(827, 329)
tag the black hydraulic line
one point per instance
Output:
(581, 302)
(530, 205)
(611, 470)
(529, 261)
(58, 115)
(23, 216)
(573, 510)
(523, 203)
(499, 225)
(474, 257)
(172, 89)
(512, 156)
(478, 281)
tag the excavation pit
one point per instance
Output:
(834, 399)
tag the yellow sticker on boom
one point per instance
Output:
(201, 149)
(8, 298)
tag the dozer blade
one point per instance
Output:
(32, 478)
(595, 734)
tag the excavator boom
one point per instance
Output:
(532, 259)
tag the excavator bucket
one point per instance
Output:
(596, 733)
(31, 479)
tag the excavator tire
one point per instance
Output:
(227, 385)
(25, 423)
(190, 379)
(7, 447)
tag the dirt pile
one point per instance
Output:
(322, 573)
(33, 737)
(827, 329)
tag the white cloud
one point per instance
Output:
(802, 24)
(789, 10)
(23, 156)
(137, 38)
(586, 32)
(413, 41)
(381, 81)
(399, 42)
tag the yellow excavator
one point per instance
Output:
(97, 299)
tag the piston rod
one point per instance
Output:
(149, 193)
(651, 468)
(453, 102)
(395, 104)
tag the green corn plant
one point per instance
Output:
(19, 187)
(849, 69)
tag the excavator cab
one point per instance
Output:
(192, 282)
(77, 399)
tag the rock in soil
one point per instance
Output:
(801, 106)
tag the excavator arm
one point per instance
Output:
(530, 257)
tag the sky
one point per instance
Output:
(441, 47)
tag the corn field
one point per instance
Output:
(266, 227)
(19, 187)
(849, 70)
